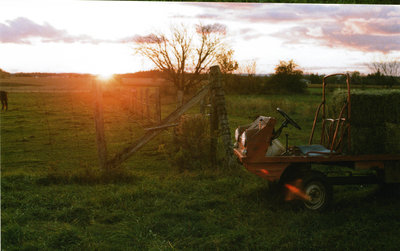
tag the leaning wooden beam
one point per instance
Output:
(130, 150)
(160, 127)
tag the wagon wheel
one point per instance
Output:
(318, 190)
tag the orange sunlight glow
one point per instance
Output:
(294, 192)
(105, 76)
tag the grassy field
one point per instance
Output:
(54, 198)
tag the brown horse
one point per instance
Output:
(4, 100)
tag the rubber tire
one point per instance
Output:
(316, 185)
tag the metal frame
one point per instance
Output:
(342, 122)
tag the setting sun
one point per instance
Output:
(105, 77)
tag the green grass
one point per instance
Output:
(54, 197)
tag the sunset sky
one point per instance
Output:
(97, 37)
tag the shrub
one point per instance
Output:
(192, 141)
(239, 84)
(287, 79)
(286, 83)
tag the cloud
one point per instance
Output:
(208, 16)
(343, 35)
(373, 29)
(22, 30)
(362, 27)
(248, 33)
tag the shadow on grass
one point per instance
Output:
(272, 197)
(89, 176)
(364, 197)
(361, 197)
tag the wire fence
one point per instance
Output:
(56, 128)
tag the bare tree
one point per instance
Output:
(249, 68)
(387, 68)
(182, 54)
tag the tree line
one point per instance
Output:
(184, 56)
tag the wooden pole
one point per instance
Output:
(133, 100)
(141, 104)
(213, 117)
(147, 104)
(219, 108)
(99, 123)
(158, 105)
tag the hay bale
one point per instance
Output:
(368, 140)
(383, 139)
(375, 120)
(392, 107)
(392, 142)
(370, 107)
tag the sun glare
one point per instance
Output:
(105, 76)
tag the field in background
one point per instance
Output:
(67, 84)
(51, 201)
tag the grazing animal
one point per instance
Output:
(4, 100)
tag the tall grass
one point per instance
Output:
(55, 198)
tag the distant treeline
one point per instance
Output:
(4, 74)
(356, 78)
(143, 74)
(248, 84)
(254, 84)
(44, 74)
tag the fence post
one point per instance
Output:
(147, 104)
(158, 105)
(133, 100)
(99, 123)
(218, 108)
(213, 118)
(141, 103)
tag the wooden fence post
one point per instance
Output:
(213, 118)
(219, 110)
(99, 123)
(141, 103)
(147, 104)
(133, 100)
(157, 115)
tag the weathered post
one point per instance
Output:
(99, 123)
(203, 105)
(133, 100)
(147, 104)
(213, 116)
(157, 115)
(141, 103)
(219, 116)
